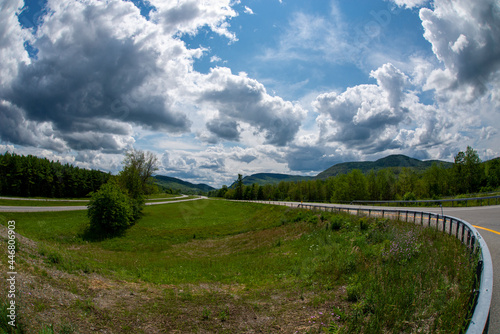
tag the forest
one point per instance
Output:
(468, 175)
(30, 176)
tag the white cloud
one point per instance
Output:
(215, 59)
(12, 38)
(410, 3)
(248, 10)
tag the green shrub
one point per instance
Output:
(109, 210)
(336, 223)
(409, 196)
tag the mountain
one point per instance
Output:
(393, 161)
(271, 178)
(184, 186)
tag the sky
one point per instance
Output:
(217, 88)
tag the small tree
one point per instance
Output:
(138, 168)
(109, 210)
(239, 187)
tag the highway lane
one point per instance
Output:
(79, 208)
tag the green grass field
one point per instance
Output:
(229, 267)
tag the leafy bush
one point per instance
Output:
(409, 196)
(110, 210)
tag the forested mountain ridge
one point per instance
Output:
(31, 176)
(272, 178)
(391, 178)
(397, 161)
(391, 161)
(183, 186)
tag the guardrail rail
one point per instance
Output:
(479, 200)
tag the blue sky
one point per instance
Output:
(222, 87)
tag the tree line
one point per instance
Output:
(30, 176)
(467, 175)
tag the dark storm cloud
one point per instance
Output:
(82, 83)
(15, 128)
(224, 129)
(465, 36)
(89, 83)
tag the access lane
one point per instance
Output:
(80, 208)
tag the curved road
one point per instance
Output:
(486, 219)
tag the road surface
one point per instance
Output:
(83, 207)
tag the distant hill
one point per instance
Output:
(271, 178)
(184, 186)
(394, 161)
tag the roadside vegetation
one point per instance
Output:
(468, 175)
(232, 267)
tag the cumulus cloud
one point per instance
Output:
(465, 37)
(188, 16)
(368, 120)
(241, 99)
(363, 116)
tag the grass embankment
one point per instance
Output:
(215, 266)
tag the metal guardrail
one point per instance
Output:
(488, 200)
(462, 230)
